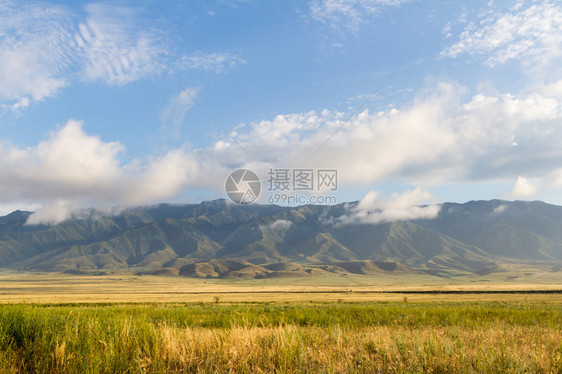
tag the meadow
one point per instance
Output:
(285, 326)
(119, 287)
(284, 338)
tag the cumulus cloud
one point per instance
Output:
(163, 178)
(72, 169)
(523, 188)
(348, 13)
(46, 47)
(531, 35)
(409, 205)
(440, 137)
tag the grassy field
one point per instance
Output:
(284, 338)
(123, 322)
(127, 287)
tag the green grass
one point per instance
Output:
(344, 337)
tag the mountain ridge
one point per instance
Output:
(199, 239)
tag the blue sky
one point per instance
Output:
(92, 110)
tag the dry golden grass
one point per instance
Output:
(292, 349)
(283, 338)
(127, 287)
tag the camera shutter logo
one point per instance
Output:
(243, 186)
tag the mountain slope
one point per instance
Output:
(521, 230)
(219, 239)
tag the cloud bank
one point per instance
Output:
(442, 137)
(72, 169)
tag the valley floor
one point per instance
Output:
(16, 287)
(123, 322)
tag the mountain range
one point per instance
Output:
(219, 239)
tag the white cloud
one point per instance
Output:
(409, 205)
(52, 212)
(45, 47)
(18, 106)
(113, 47)
(532, 35)
(72, 170)
(553, 89)
(523, 188)
(163, 178)
(499, 209)
(34, 52)
(68, 159)
(280, 224)
(177, 107)
(441, 137)
(348, 13)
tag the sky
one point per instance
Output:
(413, 103)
